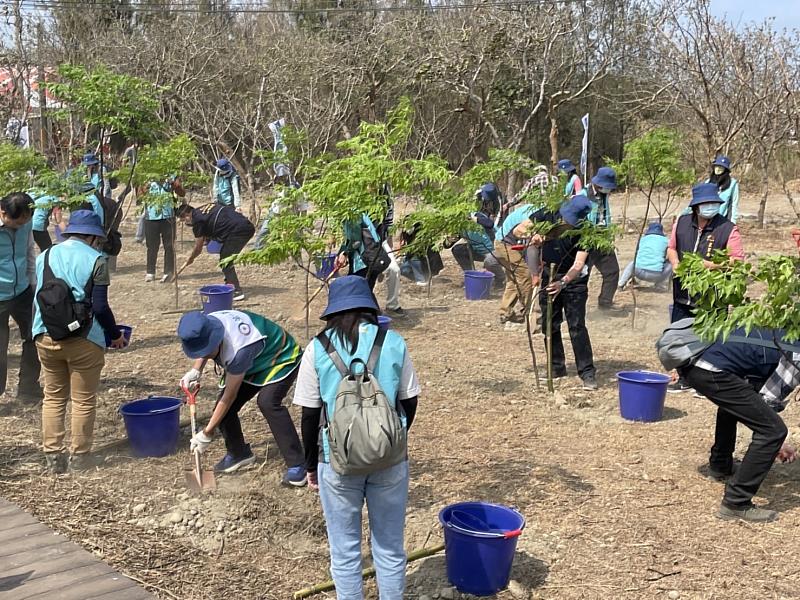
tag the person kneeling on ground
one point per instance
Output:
(749, 377)
(258, 357)
(418, 267)
(72, 359)
(351, 337)
(651, 261)
(222, 224)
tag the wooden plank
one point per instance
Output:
(15, 520)
(53, 566)
(24, 559)
(73, 579)
(105, 584)
(134, 593)
(31, 542)
(22, 531)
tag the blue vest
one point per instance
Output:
(730, 205)
(480, 243)
(516, 217)
(352, 233)
(14, 261)
(652, 252)
(746, 360)
(163, 211)
(598, 202)
(224, 189)
(73, 261)
(44, 206)
(388, 370)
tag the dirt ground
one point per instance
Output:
(614, 509)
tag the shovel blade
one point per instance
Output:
(203, 483)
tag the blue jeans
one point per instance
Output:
(660, 278)
(413, 268)
(386, 493)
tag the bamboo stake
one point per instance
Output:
(366, 573)
(549, 338)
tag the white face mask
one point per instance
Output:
(718, 170)
(604, 191)
(708, 210)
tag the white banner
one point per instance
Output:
(585, 147)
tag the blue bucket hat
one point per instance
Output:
(566, 165)
(85, 222)
(605, 177)
(224, 165)
(349, 293)
(200, 334)
(488, 192)
(722, 161)
(90, 159)
(655, 228)
(703, 193)
(574, 210)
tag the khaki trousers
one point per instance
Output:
(71, 370)
(519, 286)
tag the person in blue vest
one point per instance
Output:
(728, 187)
(510, 241)
(749, 377)
(258, 358)
(72, 366)
(651, 262)
(92, 164)
(44, 206)
(227, 190)
(159, 226)
(479, 245)
(17, 281)
(574, 184)
(598, 191)
(351, 328)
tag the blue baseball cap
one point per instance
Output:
(90, 159)
(722, 161)
(576, 209)
(605, 177)
(349, 293)
(703, 193)
(566, 165)
(655, 228)
(85, 222)
(200, 334)
(224, 165)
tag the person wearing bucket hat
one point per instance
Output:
(598, 191)
(727, 186)
(651, 263)
(351, 334)
(703, 231)
(17, 281)
(92, 164)
(227, 187)
(561, 267)
(258, 359)
(73, 358)
(574, 184)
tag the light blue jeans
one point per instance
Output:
(660, 278)
(343, 496)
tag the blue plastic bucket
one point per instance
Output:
(326, 263)
(480, 540)
(213, 247)
(126, 330)
(216, 297)
(153, 425)
(642, 394)
(384, 323)
(477, 284)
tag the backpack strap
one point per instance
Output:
(741, 339)
(375, 353)
(333, 354)
(47, 273)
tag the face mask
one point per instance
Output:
(707, 211)
(604, 191)
(719, 170)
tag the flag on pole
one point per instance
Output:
(585, 146)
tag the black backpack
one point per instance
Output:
(62, 315)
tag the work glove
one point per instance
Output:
(191, 380)
(200, 442)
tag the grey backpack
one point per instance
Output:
(679, 345)
(365, 433)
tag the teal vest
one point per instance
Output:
(14, 261)
(652, 252)
(224, 189)
(73, 261)
(515, 218)
(352, 234)
(388, 370)
(44, 206)
(162, 211)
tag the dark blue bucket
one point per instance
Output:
(384, 322)
(480, 540)
(642, 394)
(477, 284)
(153, 425)
(216, 297)
(326, 263)
(213, 247)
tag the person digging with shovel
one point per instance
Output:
(257, 358)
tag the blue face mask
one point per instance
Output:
(708, 210)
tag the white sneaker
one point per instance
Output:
(238, 296)
(166, 278)
(149, 277)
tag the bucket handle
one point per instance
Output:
(459, 517)
(153, 412)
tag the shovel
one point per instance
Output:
(197, 480)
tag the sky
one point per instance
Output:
(786, 11)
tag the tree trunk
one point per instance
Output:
(553, 139)
(762, 207)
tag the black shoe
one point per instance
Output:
(707, 470)
(84, 462)
(512, 318)
(396, 313)
(56, 462)
(589, 382)
(678, 387)
(559, 373)
(746, 512)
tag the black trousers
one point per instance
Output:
(157, 233)
(233, 244)
(42, 239)
(739, 402)
(270, 403)
(570, 303)
(466, 258)
(608, 266)
(20, 308)
(680, 311)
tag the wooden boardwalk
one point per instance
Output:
(37, 564)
